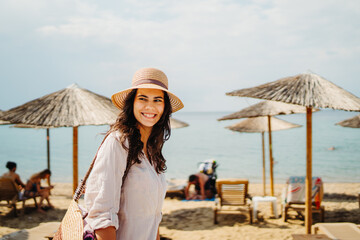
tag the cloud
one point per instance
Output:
(223, 45)
(213, 28)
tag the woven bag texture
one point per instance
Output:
(72, 225)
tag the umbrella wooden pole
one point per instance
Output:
(48, 150)
(263, 160)
(271, 159)
(271, 164)
(75, 158)
(308, 181)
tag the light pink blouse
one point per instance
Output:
(133, 209)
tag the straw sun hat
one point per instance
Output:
(148, 78)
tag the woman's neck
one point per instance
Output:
(145, 134)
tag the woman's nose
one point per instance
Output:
(149, 105)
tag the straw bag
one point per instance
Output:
(72, 225)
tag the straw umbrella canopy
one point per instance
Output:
(312, 91)
(267, 108)
(353, 122)
(174, 123)
(69, 107)
(260, 125)
(2, 122)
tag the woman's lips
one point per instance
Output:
(148, 115)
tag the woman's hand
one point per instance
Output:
(106, 233)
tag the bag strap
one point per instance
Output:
(80, 189)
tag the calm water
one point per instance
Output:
(239, 154)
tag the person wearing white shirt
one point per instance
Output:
(126, 187)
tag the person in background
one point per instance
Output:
(202, 184)
(14, 176)
(33, 188)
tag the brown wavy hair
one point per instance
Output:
(41, 175)
(161, 131)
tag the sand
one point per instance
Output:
(194, 220)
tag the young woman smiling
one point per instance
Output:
(126, 187)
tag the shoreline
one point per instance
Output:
(183, 220)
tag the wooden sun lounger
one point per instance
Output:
(300, 207)
(298, 204)
(10, 193)
(232, 192)
(341, 230)
(175, 190)
(310, 237)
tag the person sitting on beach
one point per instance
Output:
(14, 176)
(202, 184)
(33, 188)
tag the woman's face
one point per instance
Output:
(46, 176)
(148, 106)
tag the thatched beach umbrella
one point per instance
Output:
(267, 108)
(69, 107)
(260, 125)
(353, 122)
(2, 122)
(312, 91)
(174, 123)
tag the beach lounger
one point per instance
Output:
(175, 189)
(340, 231)
(10, 193)
(310, 237)
(232, 192)
(294, 197)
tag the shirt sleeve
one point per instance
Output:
(103, 187)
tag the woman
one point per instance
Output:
(33, 188)
(130, 208)
(14, 176)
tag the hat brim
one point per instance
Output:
(118, 98)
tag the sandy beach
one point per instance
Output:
(184, 220)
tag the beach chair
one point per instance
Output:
(341, 230)
(294, 197)
(10, 193)
(232, 192)
(175, 189)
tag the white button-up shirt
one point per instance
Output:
(133, 209)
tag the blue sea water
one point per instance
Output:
(238, 154)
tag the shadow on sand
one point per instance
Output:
(31, 218)
(343, 215)
(340, 197)
(203, 219)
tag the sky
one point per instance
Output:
(205, 47)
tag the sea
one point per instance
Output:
(238, 155)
